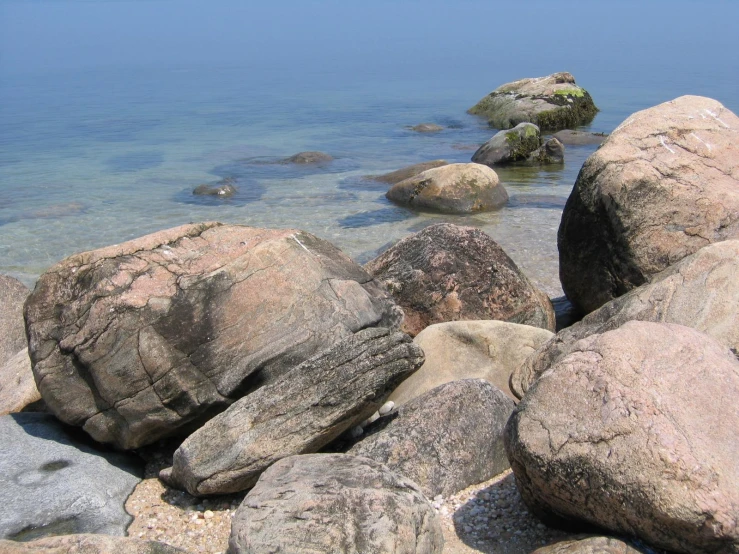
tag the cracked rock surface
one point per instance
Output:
(446, 439)
(664, 184)
(635, 431)
(301, 412)
(449, 273)
(88, 544)
(700, 291)
(319, 503)
(152, 337)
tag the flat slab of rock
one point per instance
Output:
(334, 503)
(579, 138)
(552, 103)
(635, 431)
(406, 172)
(452, 273)
(452, 188)
(13, 294)
(700, 291)
(300, 413)
(88, 544)
(490, 350)
(509, 146)
(17, 386)
(445, 440)
(591, 545)
(53, 484)
(139, 341)
(662, 186)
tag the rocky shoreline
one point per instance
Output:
(222, 388)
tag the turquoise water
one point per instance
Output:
(96, 156)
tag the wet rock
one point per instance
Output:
(551, 152)
(300, 413)
(591, 545)
(88, 544)
(700, 291)
(150, 338)
(13, 294)
(579, 138)
(662, 186)
(553, 103)
(407, 172)
(51, 483)
(452, 273)
(489, 350)
(445, 440)
(506, 147)
(17, 387)
(453, 188)
(307, 158)
(635, 431)
(427, 128)
(225, 188)
(334, 503)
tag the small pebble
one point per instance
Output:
(386, 408)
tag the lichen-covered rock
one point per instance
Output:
(309, 158)
(579, 138)
(225, 188)
(635, 431)
(452, 273)
(591, 545)
(553, 103)
(489, 350)
(13, 294)
(52, 483)
(663, 185)
(506, 147)
(338, 503)
(301, 412)
(445, 440)
(452, 188)
(406, 172)
(700, 291)
(139, 341)
(17, 386)
(88, 544)
(551, 152)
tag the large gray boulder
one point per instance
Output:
(591, 545)
(146, 339)
(17, 386)
(662, 186)
(53, 484)
(445, 440)
(451, 273)
(88, 544)
(334, 503)
(452, 188)
(300, 413)
(490, 350)
(509, 146)
(552, 103)
(13, 294)
(700, 291)
(635, 431)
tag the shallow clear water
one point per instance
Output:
(99, 156)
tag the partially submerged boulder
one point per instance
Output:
(553, 103)
(452, 188)
(52, 483)
(489, 350)
(13, 294)
(445, 440)
(451, 273)
(427, 128)
(662, 186)
(700, 291)
(334, 503)
(88, 544)
(17, 386)
(551, 152)
(406, 172)
(309, 158)
(225, 188)
(509, 146)
(579, 138)
(635, 431)
(139, 341)
(301, 412)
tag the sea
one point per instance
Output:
(97, 153)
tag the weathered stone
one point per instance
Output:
(427, 128)
(553, 103)
(88, 544)
(700, 291)
(339, 503)
(551, 152)
(635, 431)
(309, 158)
(225, 188)
(52, 484)
(451, 273)
(13, 294)
(489, 350)
(579, 138)
(17, 387)
(662, 186)
(591, 545)
(142, 340)
(509, 146)
(445, 440)
(406, 172)
(453, 188)
(301, 412)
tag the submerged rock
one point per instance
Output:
(579, 138)
(427, 128)
(302, 158)
(553, 103)
(225, 188)
(406, 172)
(509, 146)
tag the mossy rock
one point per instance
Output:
(509, 146)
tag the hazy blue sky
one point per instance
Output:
(371, 35)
